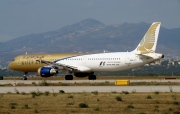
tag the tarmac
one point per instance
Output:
(74, 89)
(82, 81)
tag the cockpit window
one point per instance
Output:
(13, 59)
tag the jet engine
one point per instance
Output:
(47, 71)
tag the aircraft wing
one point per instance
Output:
(45, 62)
(65, 66)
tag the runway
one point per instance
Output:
(73, 89)
(82, 81)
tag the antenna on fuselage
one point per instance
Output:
(106, 51)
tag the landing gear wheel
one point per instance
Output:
(92, 77)
(68, 77)
(24, 78)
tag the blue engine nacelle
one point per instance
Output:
(47, 71)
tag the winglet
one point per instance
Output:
(149, 41)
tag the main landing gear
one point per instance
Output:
(24, 77)
(69, 77)
(90, 77)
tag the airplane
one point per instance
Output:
(83, 64)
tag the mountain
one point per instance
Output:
(53, 41)
(90, 35)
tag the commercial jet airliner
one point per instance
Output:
(82, 65)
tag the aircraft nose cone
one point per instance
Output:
(10, 66)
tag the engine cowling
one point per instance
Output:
(47, 71)
(83, 74)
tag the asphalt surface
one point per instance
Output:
(72, 89)
(81, 81)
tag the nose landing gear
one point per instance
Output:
(25, 77)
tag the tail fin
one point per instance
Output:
(149, 41)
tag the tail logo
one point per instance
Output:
(149, 40)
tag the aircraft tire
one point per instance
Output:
(24, 78)
(92, 77)
(68, 77)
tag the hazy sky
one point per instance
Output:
(23, 17)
